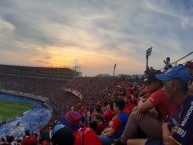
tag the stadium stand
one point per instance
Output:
(42, 72)
(95, 108)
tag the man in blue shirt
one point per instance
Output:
(118, 123)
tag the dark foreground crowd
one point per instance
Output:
(156, 110)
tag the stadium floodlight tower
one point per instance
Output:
(77, 67)
(148, 53)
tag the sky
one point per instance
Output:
(95, 33)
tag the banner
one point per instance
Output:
(76, 93)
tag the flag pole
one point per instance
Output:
(114, 69)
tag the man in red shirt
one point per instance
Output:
(100, 124)
(130, 101)
(109, 113)
(143, 117)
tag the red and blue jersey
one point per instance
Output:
(119, 123)
(183, 119)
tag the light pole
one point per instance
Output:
(148, 53)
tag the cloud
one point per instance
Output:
(100, 33)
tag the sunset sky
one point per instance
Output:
(99, 33)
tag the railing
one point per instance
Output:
(176, 62)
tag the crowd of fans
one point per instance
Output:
(153, 110)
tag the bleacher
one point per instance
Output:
(42, 72)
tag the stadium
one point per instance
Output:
(96, 72)
(35, 98)
(52, 88)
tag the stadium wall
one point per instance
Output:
(25, 95)
(45, 101)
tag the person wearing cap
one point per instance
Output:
(143, 117)
(177, 127)
(114, 131)
(61, 135)
(72, 120)
(189, 66)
